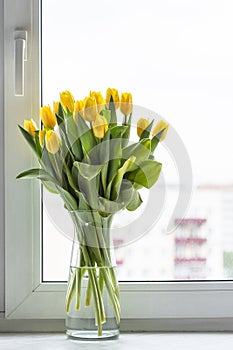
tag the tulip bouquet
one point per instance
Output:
(85, 156)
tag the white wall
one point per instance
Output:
(1, 164)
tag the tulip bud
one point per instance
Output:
(100, 101)
(78, 108)
(90, 109)
(158, 128)
(114, 93)
(52, 141)
(126, 106)
(67, 101)
(142, 124)
(100, 126)
(30, 126)
(55, 107)
(47, 117)
(41, 137)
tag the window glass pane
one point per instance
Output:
(176, 59)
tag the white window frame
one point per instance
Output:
(145, 306)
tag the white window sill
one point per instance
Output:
(191, 341)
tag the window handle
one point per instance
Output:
(20, 56)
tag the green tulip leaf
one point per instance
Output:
(72, 135)
(82, 202)
(117, 180)
(87, 179)
(115, 156)
(30, 140)
(125, 193)
(135, 201)
(37, 142)
(88, 171)
(50, 187)
(86, 136)
(118, 130)
(46, 162)
(112, 108)
(60, 111)
(139, 150)
(39, 174)
(60, 118)
(107, 206)
(47, 180)
(126, 135)
(146, 132)
(146, 174)
(106, 114)
(154, 143)
(69, 200)
(100, 153)
(104, 175)
(155, 140)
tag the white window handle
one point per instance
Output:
(20, 55)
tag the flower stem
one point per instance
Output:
(88, 293)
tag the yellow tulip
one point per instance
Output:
(158, 128)
(47, 117)
(114, 93)
(126, 105)
(30, 126)
(100, 126)
(67, 100)
(55, 107)
(41, 136)
(52, 141)
(100, 101)
(142, 124)
(90, 109)
(78, 108)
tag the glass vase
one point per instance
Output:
(92, 299)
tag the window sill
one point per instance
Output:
(127, 325)
(136, 341)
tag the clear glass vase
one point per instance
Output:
(92, 300)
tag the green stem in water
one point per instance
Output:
(100, 314)
(97, 303)
(113, 296)
(101, 281)
(70, 290)
(88, 293)
(102, 233)
(79, 276)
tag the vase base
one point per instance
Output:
(92, 335)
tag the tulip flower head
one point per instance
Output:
(42, 136)
(114, 93)
(52, 141)
(100, 101)
(47, 117)
(160, 127)
(100, 126)
(67, 101)
(90, 109)
(126, 105)
(55, 107)
(30, 126)
(78, 108)
(142, 124)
